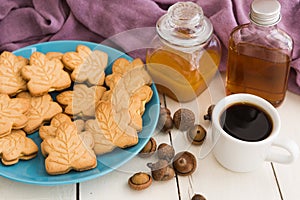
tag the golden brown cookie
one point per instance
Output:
(87, 139)
(116, 130)
(101, 144)
(16, 146)
(119, 111)
(54, 55)
(44, 75)
(125, 90)
(66, 151)
(42, 110)
(56, 121)
(86, 65)
(72, 60)
(124, 87)
(81, 101)
(121, 66)
(23, 60)
(137, 106)
(12, 113)
(11, 81)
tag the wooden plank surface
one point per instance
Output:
(114, 186)
(210, 179)
(11, 190)
(289, 175)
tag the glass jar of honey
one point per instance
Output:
(185, 54)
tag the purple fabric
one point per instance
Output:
(27, 22)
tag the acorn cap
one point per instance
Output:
(196, 134)
(184, 163)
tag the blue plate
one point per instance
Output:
(33, 171)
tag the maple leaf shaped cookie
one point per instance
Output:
(120, 67)
(86, 65)
(101, 143)
(115, 130)
(42, 110)
(126, 91)
(118, 123)
(127, 84)
(17, 146)
(12, 113)
(81, 101)
(11, 81)
(66, 151)
(56, 121)
(137, 106)
(45, 75)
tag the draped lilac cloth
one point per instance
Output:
(27, 22)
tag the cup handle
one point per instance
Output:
(290, 146)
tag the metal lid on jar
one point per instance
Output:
(265, 12)
(184, 25)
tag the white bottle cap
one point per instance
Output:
(265, 12)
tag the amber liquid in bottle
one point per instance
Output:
(257, 70)
(178, 76)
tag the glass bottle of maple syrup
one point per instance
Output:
(185, 54)
(259, 54)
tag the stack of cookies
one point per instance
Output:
(91, 113)
(119, 112)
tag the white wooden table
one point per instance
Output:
(270, 182)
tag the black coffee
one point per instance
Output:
(246, 122)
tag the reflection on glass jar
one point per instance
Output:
(185, 54)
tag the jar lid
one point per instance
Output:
(184, 25)
(265, 12)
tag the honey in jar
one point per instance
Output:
(259, 55)
(185, 54)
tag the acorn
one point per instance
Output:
(140, 181)
(165, 152)
(149, 149)
(184, 163)
(165, 121)
(161, 171)
(196, 134)
(183, 119)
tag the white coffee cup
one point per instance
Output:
(244, 156)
